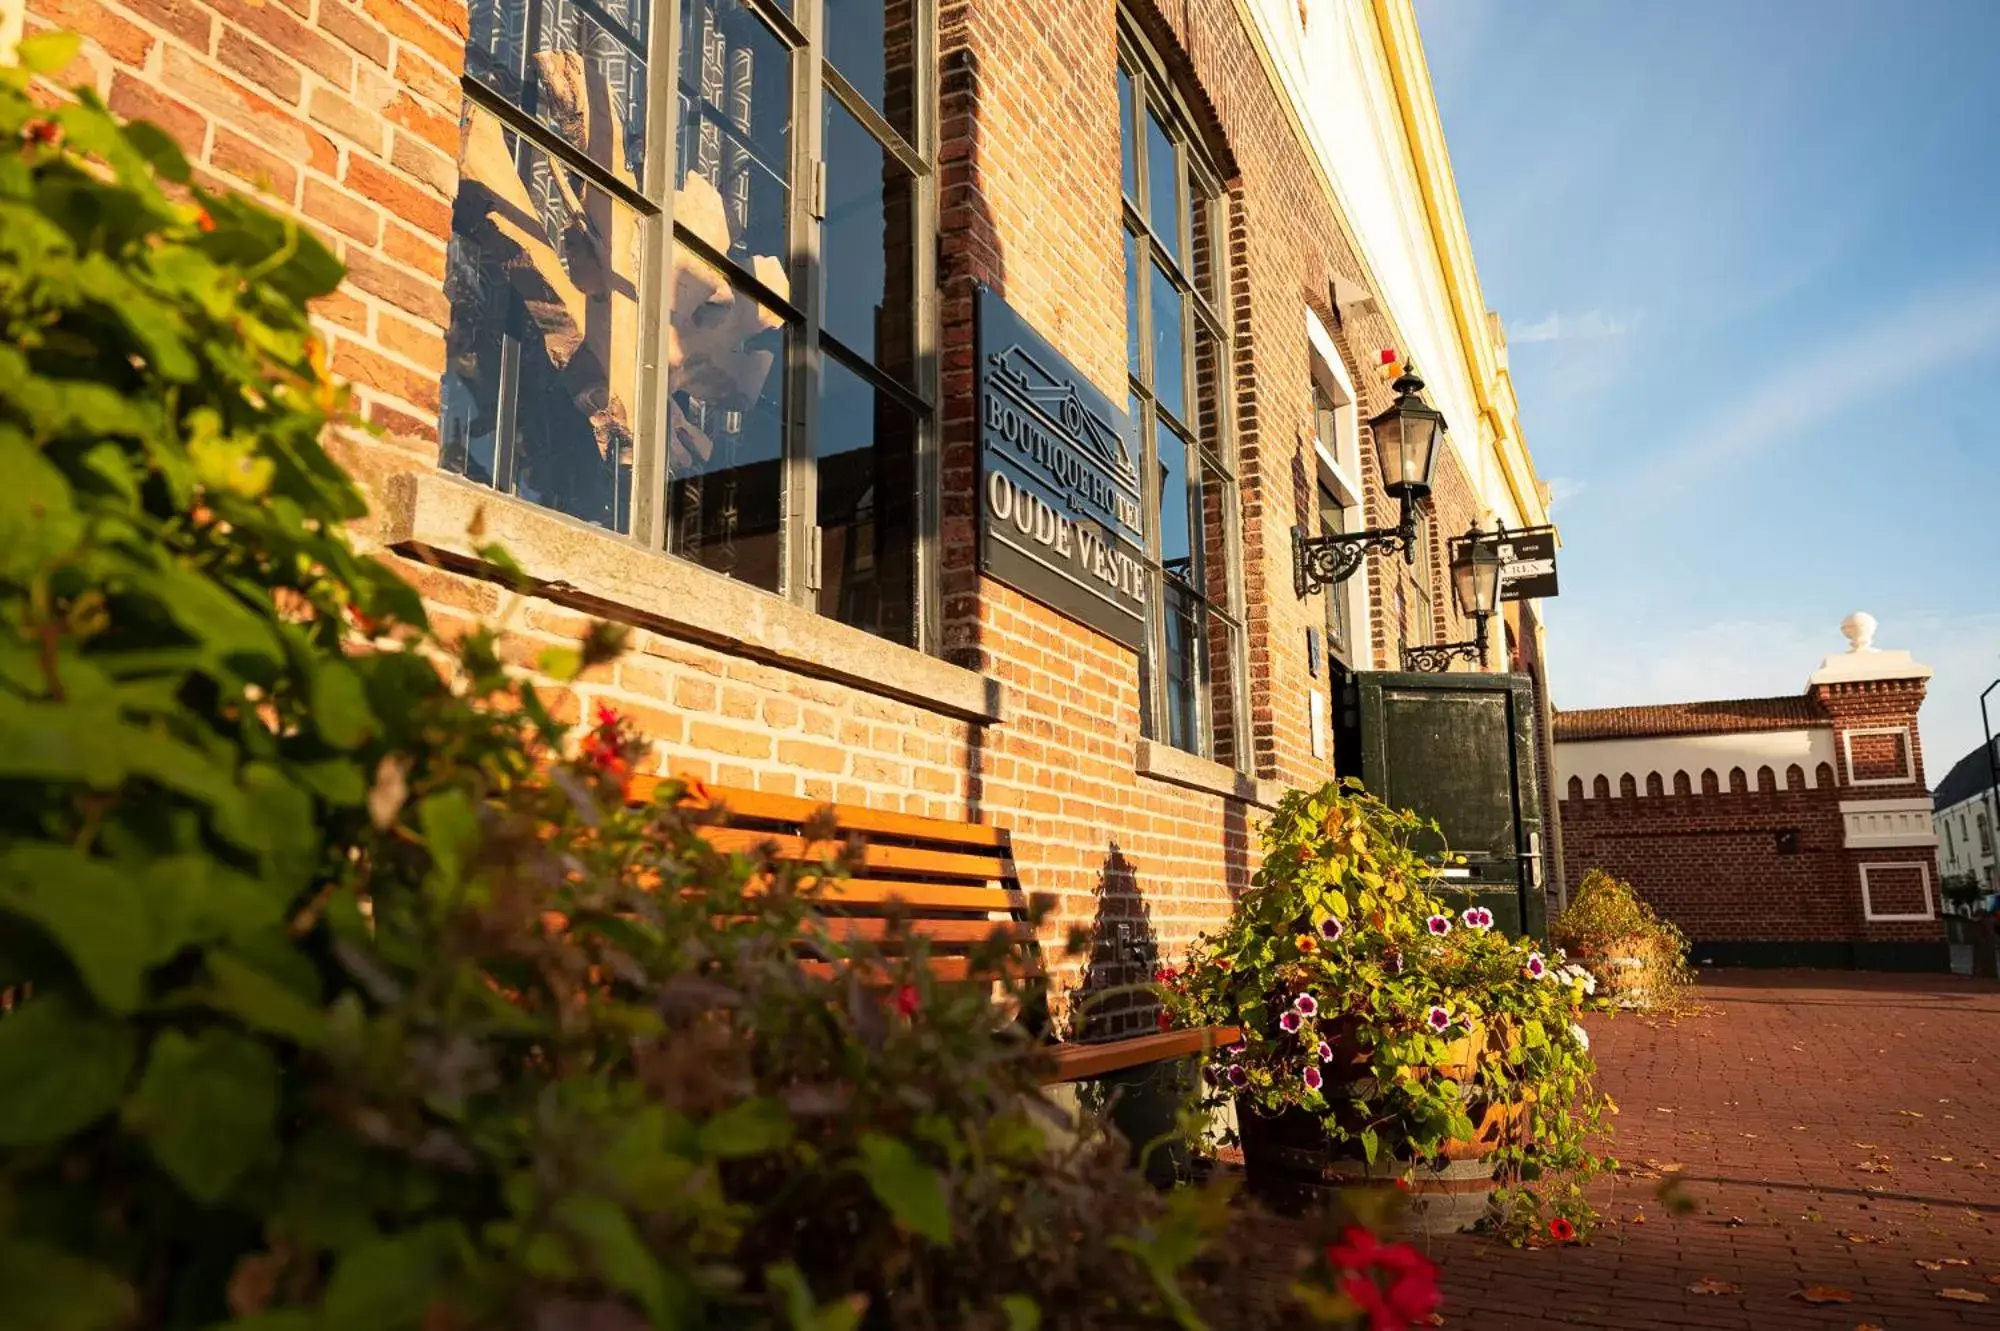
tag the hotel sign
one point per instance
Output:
(1059, 503)
(1528, 564)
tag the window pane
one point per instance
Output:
(1177, 552)
(725, 456)
(584, 80)
(1182, 673)
(1132, 333)
(735, 142)
(1169, 360)
(1128, 141)
(869, 246)
(1216, 495)
(873, 45)
(867, 505)
(1210, 402)
(541, 362)
(1163, 186)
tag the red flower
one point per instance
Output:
(1561, 1230)
(907, 1001)
(202, 220)
(367, 625)
(41, 134)
(1166, 1020)
(607, 717)
(1408, 1293)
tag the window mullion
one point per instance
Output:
(801, 517)
(654, 411)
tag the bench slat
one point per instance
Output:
(848, 817)
(903, 859)
(938, 931)
(1080, 1062)
(918, 897)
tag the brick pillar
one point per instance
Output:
(1888, 860)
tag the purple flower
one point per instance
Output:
(1306, 1003)
(1325, 1052)
(1313, 1079)
(1537, 968)
(1238, 1049)
(1237, 1076)
(1331, 928)
(1438, 1019)
(1477, 917)
(1439, 925)
(1291, 1022)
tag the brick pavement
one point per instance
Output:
(1769, 1103)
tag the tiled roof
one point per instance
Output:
(1726, 717)
(1970, 776)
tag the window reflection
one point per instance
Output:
(735, 133)
(1163, 186)
(725, 450)
(543, 275)
(583, 78)
(1132, 336)
(1169, 356)
(1177, 551)
(867, 505)
(1182, 678)
(869, 246)
(873, 46)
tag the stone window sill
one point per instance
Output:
(430, 515)
(1164, 762)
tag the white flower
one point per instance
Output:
(1581, 1036)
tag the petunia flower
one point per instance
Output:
(1438, 1019)
(1237, 1076)
(1537, 968)
(1477, 917)
(1238, 1049)
(1325, 1052)
(1306, 1003)
(1291, 1022)
(1561, 1230)
(1439, 925)
(907, 1000)
(1332, 928)
(1312, 1078)
(1581, 1036)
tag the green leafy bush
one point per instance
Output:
(1636, 959)
(335, 994)
(1369, 1005)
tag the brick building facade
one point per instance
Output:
(676, 303)
(1791, 830)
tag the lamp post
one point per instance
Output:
(1992, 769)
(1475, 583)
(1406, 440)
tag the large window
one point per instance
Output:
(687, 284)
(1178, 361)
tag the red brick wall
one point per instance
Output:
(1707, 854)
(346, 114)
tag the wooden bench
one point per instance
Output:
(952, 883)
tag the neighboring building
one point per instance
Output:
(818, 340)
(1793, 830)
(1966, 813)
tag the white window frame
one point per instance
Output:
(1909, 756)
(1339, 469)
(1868, 903)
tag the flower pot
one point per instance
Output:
(1293, 1166)
(1461, 1057)
(1626, 971)
(1492, 1126)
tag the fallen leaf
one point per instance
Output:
(1942, 1262)
(1824, 1294)
(1942, 1159)
(1800, 1127)
(1868, 1326)
(1993, 1280)
(1864, 1146)
(1640, 1219)
(1661, 1109)
(1710, 1285)
(1734, 1222)
(1751, 1135)
(1855, 1236)
(1909, 1113)
(1875, 1167)
(1965, 1295)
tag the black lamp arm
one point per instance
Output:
(1437, 658)
(1322, 561)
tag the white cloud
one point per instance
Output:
(1884, 359)
(1590, 326)
(1606, 665)
(1562, 489)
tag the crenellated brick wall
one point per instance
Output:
(1743, 823)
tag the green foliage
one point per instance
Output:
(1343, 967)
(332, 994)
(1636, 959)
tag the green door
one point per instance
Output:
(1459, 750)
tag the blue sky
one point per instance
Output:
(1748, 256)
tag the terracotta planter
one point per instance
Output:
(1626, 971)
(1491, 1128)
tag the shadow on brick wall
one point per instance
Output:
(1113, 996)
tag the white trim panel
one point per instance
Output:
(1909, 756)
(1868, 904)
(1877, 824)
(1667, 754)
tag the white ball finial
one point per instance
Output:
(1860, 630)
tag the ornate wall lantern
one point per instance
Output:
(1475, 583)
(1406, 443)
